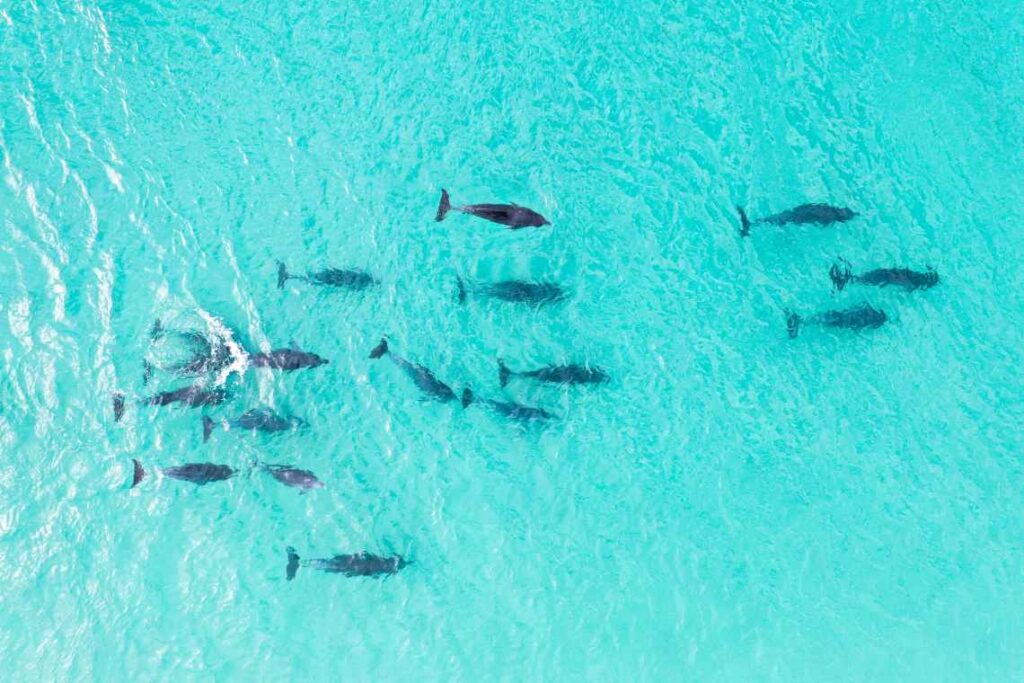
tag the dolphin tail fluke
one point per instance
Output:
(504, 374)
(207, 428)
(282, 275)
(793, 324)
(380, 349)
(138, 474)
(118, 406)
(840, 274)
(444, 206)
(460, 290)
(293, 563)
(157, 330)
(147, 372)
(467, 397)
(744, 222)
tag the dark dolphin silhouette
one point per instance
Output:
(293, 476)
(255, 420)
(513, 411)
(198, 473)
(359, 564)
(571, 373)
(191, 396)
(329, 277)
(287, 360)
(421, 376)
(842, 275)
(512, 215)
(138, 474)
(516, 291)
(819, 214)
(856, 318)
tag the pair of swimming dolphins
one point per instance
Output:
(202, 473)
(430, 385)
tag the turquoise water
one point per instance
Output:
(734, 506)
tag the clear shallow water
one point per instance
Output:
(734, 506)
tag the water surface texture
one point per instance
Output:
(733, 506)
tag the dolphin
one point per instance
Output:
(819, 214)
(512, 215)
(294, 477)
(288, 359)
(572, 373)
(513, 411)
(191, 396)
(517, 291)
(255, 420)
(198, 473)
(856, 318)
(421, 376)
(910, 280)
(359, 564)
(329, 277)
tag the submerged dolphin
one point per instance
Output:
(421, 376)
(329, 277)
(841, 275)
(286, 359)
(191, 396)
(512, 215)
(517, 291)
(198, 473)
(856, 318)
(513, 411)
(571, 373)
(819, 214)
(359, 564)
(208, 354)
(255, 420)
(293, 476)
